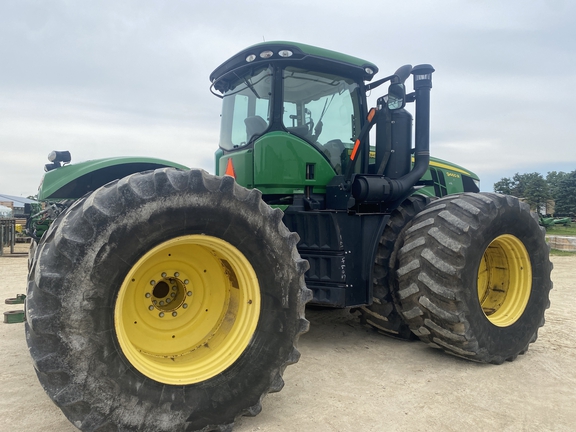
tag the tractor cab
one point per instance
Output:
(290, 116)
(323, 109)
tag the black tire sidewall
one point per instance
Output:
(442, 250)
(507, 340)
(119, 241)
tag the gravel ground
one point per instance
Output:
(351, 378)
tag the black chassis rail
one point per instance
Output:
(340, 248)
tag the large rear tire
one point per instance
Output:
(165, 301)
(382, 314)
(474, 275)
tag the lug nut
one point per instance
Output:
(147, 295)
(162, 303)
(168, 300)
(186, 281)
(174, 313)
(151, 307)
(161, 314)
(152, 282)
(189, 293)
(173, 294)
(174, 288)
(185, 305)
(163, 274)
(176, 274)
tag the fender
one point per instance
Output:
(76, 180)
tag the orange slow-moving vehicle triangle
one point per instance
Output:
(230, 169)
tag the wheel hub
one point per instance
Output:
(168, 296)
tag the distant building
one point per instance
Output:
(17, 205)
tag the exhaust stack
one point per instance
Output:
(378, 188)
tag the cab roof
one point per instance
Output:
(297, 54)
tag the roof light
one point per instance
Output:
(59, 156)
(369, 71)
(266, 54)
(251, 58)
(285, 53)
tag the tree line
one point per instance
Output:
(536, 190)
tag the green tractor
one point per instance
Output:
(172, 300)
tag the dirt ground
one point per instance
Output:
(350, 378)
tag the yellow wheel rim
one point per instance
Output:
(504, 280)
(187, 309)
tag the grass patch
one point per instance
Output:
(555, 252)
(561, 230)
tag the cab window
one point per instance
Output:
(246, 109)
(324, 110)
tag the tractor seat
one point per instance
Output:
(255, 126)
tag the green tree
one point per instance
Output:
(566, 198)
(531, 187)
(535, 191)
(505, 186)
(553, 179)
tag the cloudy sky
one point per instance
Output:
(118, 78)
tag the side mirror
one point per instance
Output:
(396, 96)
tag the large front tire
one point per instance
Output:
(474, 275)
(166, 301)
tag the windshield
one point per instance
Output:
(246, 109)
(323, 109)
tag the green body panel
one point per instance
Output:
(280, 164)
(447, 178)
(243, 163)
(55, 182)
(277, 165)
(451, 167)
